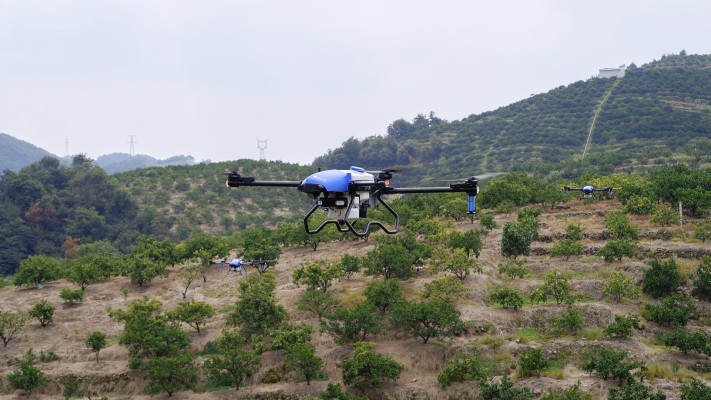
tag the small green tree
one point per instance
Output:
(43, 311)
(634, 389)
(662, 279)
(301, 357)
(143, 269)
(27, 377)
(352, 325)
(335, 392)
(605, 363)
(505, 296)
(257, 310)
(663, 215)
(70, 296)
(571, 393)
(554, 285)
(35, 270)
(428, 319)
(567, 248)
(11, 324)
(687, 341)
(448, 289)
(349, 265)
(384, 294)
(513, 269)
(455, 262)
(72, 388)
(193, 313)
(234, 360)
(702, 283)
(469, 241)
(619, 286)
(532, 362)
(619, 225)
(369, 369)
(492, 390)
(695, 390)
(516, 238)
(84, 271)
(568, 323)
(317, 302)
(622, 326)
(96, 341)
(673, 310)
(702, 231)
(171, 374)
(288, 334)
(615, 249)
(202, 249)
(318, 274)
(487, 221)
(463, 369)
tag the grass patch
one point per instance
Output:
(669, 372)
(592, 333)
(351, 297)
(492, 341)
(525, 335)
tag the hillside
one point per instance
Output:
(657, 113)
(15, 153)
(495, 333)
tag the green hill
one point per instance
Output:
(15, 153)
(657, 113)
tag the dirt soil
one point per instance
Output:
(502, 341)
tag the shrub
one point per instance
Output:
(567, 248)
(619, 285)
(367, 368)
(43, 311)
(622, 326)
(571, 393)
(695, 390)
(70, 296)
(615, 249)
(532, 362)
(569, 323)
(505, 296)
(463, 369)
(702, 283)
(26, 376)
(662, 279)
(491, 390)
(686, 341)
(513, 269)
(673, 310)
(605, 363)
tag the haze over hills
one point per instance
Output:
(16, 154)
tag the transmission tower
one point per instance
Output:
(66, 146)
(262, 146)
(131, 142)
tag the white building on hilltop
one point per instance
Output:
(612, 72)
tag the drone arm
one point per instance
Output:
(236, 180)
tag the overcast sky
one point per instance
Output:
(209, 78)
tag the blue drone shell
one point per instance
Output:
(334, 180)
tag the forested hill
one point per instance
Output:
(656, 113)
(15, 153)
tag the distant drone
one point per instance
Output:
(588, 192)
(236, 265)
(347, 195)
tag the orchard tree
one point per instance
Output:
(317, 302)
(619, 286)
(27, 377)
(368, 369)
(35, 270)
(193, 313)
(615, 249)
(317, 274)
(257, 310)
(43, 311)
(622, 326)
(384, 294)
(469, 241)
(394, 257)
(349, 265)
(352, 325)
(84, 271)
(513, 269)
(428, 319)
(288, 334)
(619, 225)
(235, 360)
(455, 262)
(11, 324)
(448, 289)
(301, 357)
(662, 278)
(143, 269)
(190, 272)
(556, 286)
(505, 296)
(516, 239)
(96, 341)
(202, 249)
(675, 310)
(702, 283)
(171, 373)
(567, 248)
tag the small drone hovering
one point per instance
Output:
(348, 194)
(588, 192)
(237, 265)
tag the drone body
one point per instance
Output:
(348, 194)
(588, 192)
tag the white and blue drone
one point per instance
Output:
(348, 194)
(588, 192)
